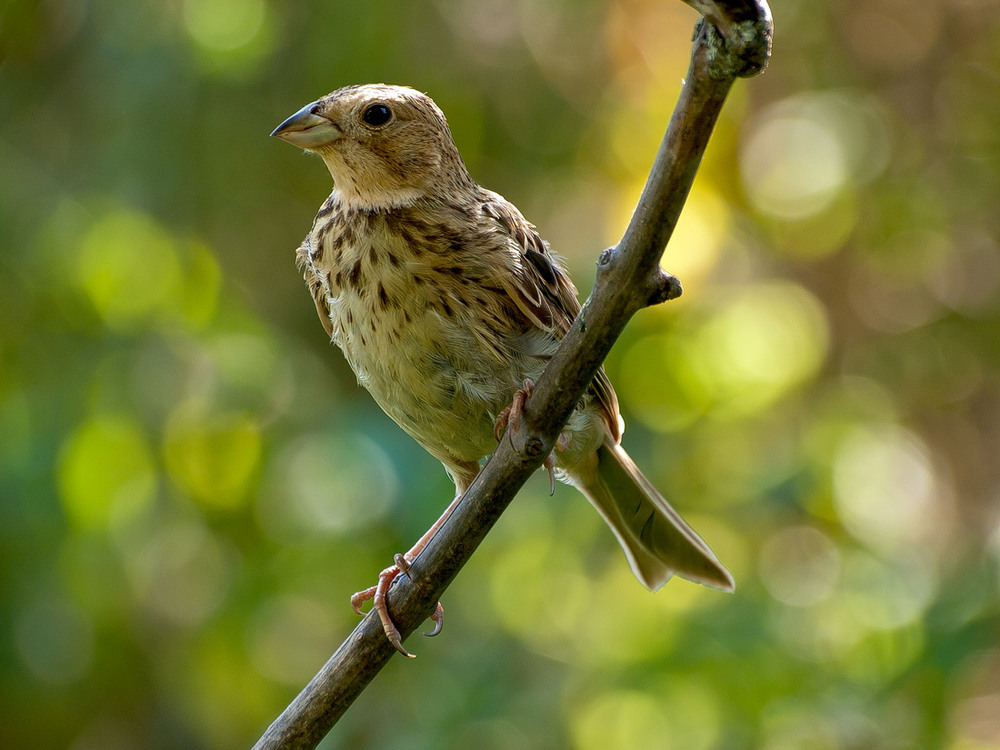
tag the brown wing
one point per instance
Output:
(543, 291)
(315, 284)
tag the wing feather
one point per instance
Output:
(317, 288)
(543, 291)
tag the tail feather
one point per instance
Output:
(657, 541)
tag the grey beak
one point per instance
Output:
(307, 129)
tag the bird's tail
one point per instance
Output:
(657, 541)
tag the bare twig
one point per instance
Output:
(628, 279)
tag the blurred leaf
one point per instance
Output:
(129, 268)
(212, 456)
(106, 472)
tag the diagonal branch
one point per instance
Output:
(628, 278)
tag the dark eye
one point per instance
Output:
(377, 114)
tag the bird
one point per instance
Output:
(447, 305)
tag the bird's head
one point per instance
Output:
(385, 146)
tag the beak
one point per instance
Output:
(306, 129)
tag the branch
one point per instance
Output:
(628, 278)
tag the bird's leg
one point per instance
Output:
(511, 416)
(380, 590)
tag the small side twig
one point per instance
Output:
(735, 44)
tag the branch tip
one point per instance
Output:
(661, 287)
(735, 36)
(670, 286)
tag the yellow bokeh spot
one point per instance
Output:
(803, 155)
(793, 167)
(605, 639)
(799, 566)
(213, 457)
(757, 345)
(729, 358)
(697, 240)
(229, 37)
(620, 719)
(223, 25)
(202, 280)
(648, 385)
(882, 656)
(884, 488)
(539, 557)
(134, 272)
(636, 133)
(687, 717)
(106, 472)
(216, 687)
(820, 234)
(128, 267)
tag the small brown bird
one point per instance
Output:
(447, 304)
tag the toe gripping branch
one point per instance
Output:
(379, 593)
(511, 417)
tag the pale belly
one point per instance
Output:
(433, 375)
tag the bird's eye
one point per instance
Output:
(376, 115)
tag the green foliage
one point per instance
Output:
(192, 485)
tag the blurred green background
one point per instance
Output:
(192, 484)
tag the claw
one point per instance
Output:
(549, 464)
(501, 424)
(360, 598)
(438, 619)
(380, 591)
(377, 594)
(397, 643)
